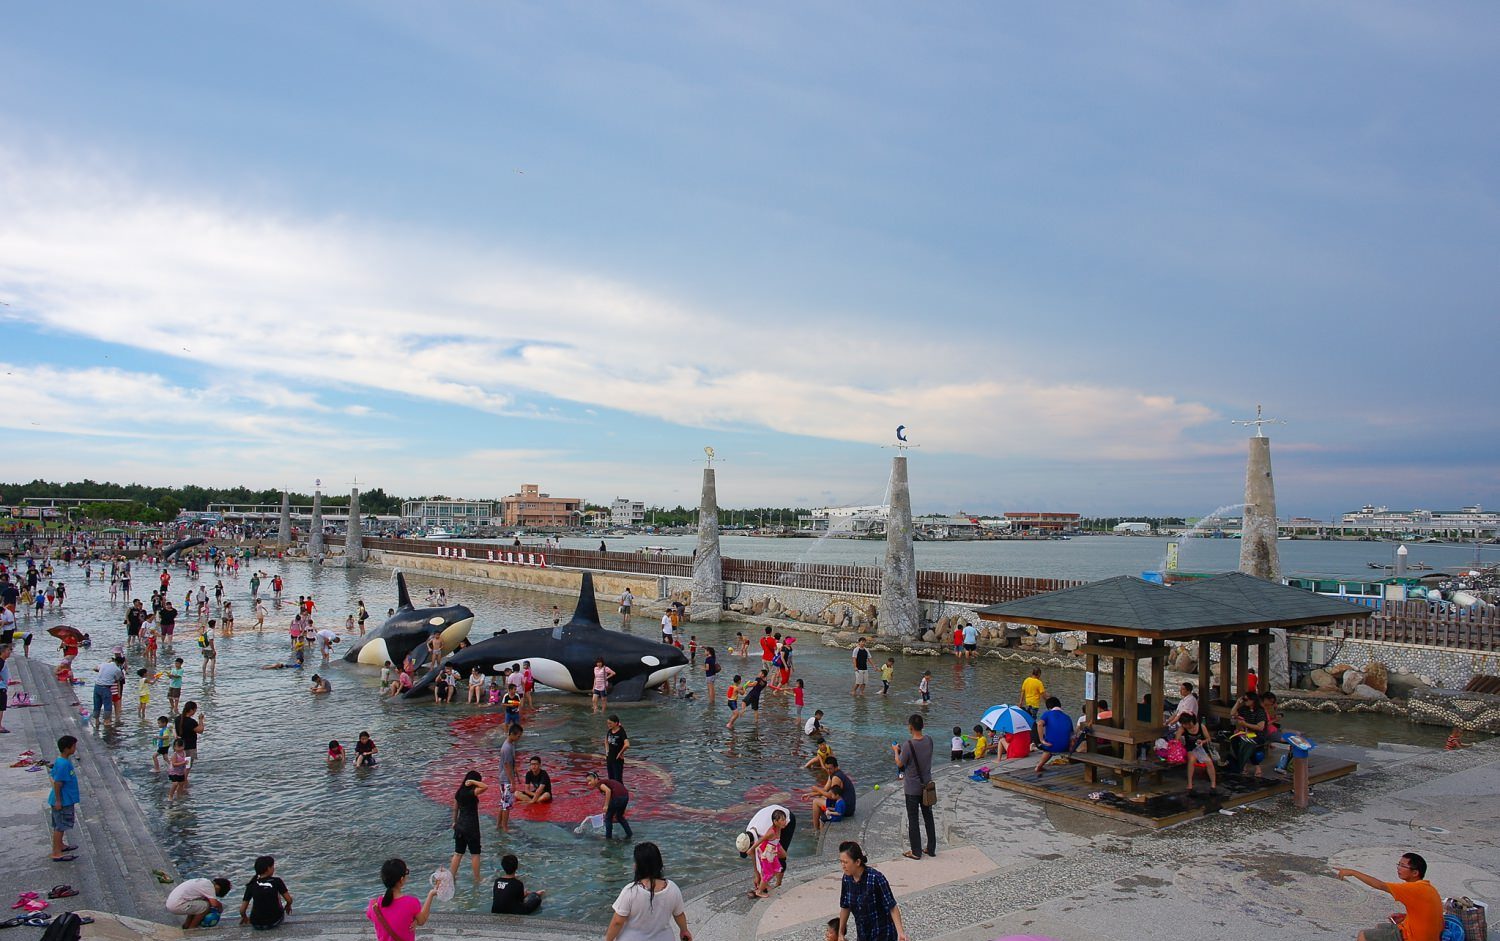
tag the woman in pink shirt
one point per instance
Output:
(396, 916)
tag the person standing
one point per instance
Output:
(508, 777)
(466, 823)
(599, 695)
(666, 628)
(1033, 695)
(267, 902)
(767, 648)
(616, 800)
(63, 801)
(189, 727)
(395, 916)
(361, 616)
(627, 601)
(861, 658)
(616, 744)
(109, 676)
(5, 649)
(1423, 918)
(914, 760)
(971, 641)
(865, 894)
(647, 909)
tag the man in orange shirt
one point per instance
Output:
(1423, 918)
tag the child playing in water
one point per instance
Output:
(177, 770)
(528, 682)
(732, 695)
(1454, 742)
(143, 692)
(887, 673)
(925, 687)
(335, 753)
(365, 751)
(956, 748)
(163, 741)
(798, 693)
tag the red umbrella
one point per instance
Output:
(63, 632)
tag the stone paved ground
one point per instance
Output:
(1005, 865)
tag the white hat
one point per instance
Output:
(743, 842)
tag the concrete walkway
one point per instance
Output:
(1005, 865)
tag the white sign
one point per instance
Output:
(1090, 686)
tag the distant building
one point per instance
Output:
(625, 512)
(1027, 521)
(1133, 528)
(1383, 518)
(531, 507)
(846, 520)
(449, 514)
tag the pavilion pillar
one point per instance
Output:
(1205, 673)
(1129, 694)
(1091, 681)
(1225, 665)
(1263, 662)
(1158, 680)
(1117, 689)
(1241, 668)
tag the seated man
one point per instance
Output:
(510, 896)
(1056, 730)
(267, 902)
(825, 794)
(537, 788)
(830, 809)
(195, 898)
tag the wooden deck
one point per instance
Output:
(1161, 806)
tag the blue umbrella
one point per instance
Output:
(1005, 718)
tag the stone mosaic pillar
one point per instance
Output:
(708, 568)
(899, 613)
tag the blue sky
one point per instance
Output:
(452, 247)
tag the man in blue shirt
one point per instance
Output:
(1057, 733)
(63, 799)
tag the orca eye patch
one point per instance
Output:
(650, 661)
(436, 622)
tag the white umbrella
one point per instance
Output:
(1006, 718)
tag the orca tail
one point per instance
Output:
(630, 690)
(403, 600)
(587, 612)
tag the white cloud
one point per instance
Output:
(264, 299)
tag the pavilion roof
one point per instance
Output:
(1127, 606)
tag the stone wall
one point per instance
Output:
(1443, 667)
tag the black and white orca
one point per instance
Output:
(405, 633)
(563, 657)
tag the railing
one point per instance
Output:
(1414, 622)
(958, 587)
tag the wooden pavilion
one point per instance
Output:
(1126, 620)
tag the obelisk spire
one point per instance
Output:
(708, 568)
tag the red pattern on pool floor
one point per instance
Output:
(651, 786)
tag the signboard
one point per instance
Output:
(1171, 557)
(1090, 687)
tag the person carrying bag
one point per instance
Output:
(914, 758)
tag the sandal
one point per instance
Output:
(910, 855)
(64, 859)
(24, 898)
(37, 905)
(162, 877)
(63, 891)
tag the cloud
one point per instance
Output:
(337, 303)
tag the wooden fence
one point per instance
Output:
(958, 587)
(1416, 623)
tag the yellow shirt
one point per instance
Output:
(981, 745)
(1032, 691)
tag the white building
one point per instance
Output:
(846, 520)
(449, 514)
(625, 512)
(1133, 529)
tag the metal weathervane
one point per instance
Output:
(902, 444)
(709, 451)
(1258, 422)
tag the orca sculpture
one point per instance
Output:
(405, 633)
(182, 544)
(563, 657)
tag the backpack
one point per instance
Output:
(65, 927)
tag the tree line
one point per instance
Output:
(168, 501)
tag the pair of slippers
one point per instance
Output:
(62, 891)
(32, 902)
(30, 919)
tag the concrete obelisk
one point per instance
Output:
(1258, 554)
(315, 534)
(708, 568)
(284, 532)
(354, 550)
(900, 616)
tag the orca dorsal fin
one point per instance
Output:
(587, 612)
(403, 600)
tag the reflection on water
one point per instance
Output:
(261, 785)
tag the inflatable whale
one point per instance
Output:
(182, 544)
(563, 657)
(405, 633)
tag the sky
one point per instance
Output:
(456, 247)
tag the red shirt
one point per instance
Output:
(768, 648)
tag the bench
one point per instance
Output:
(1128, 769)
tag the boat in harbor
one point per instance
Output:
(438, 532)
